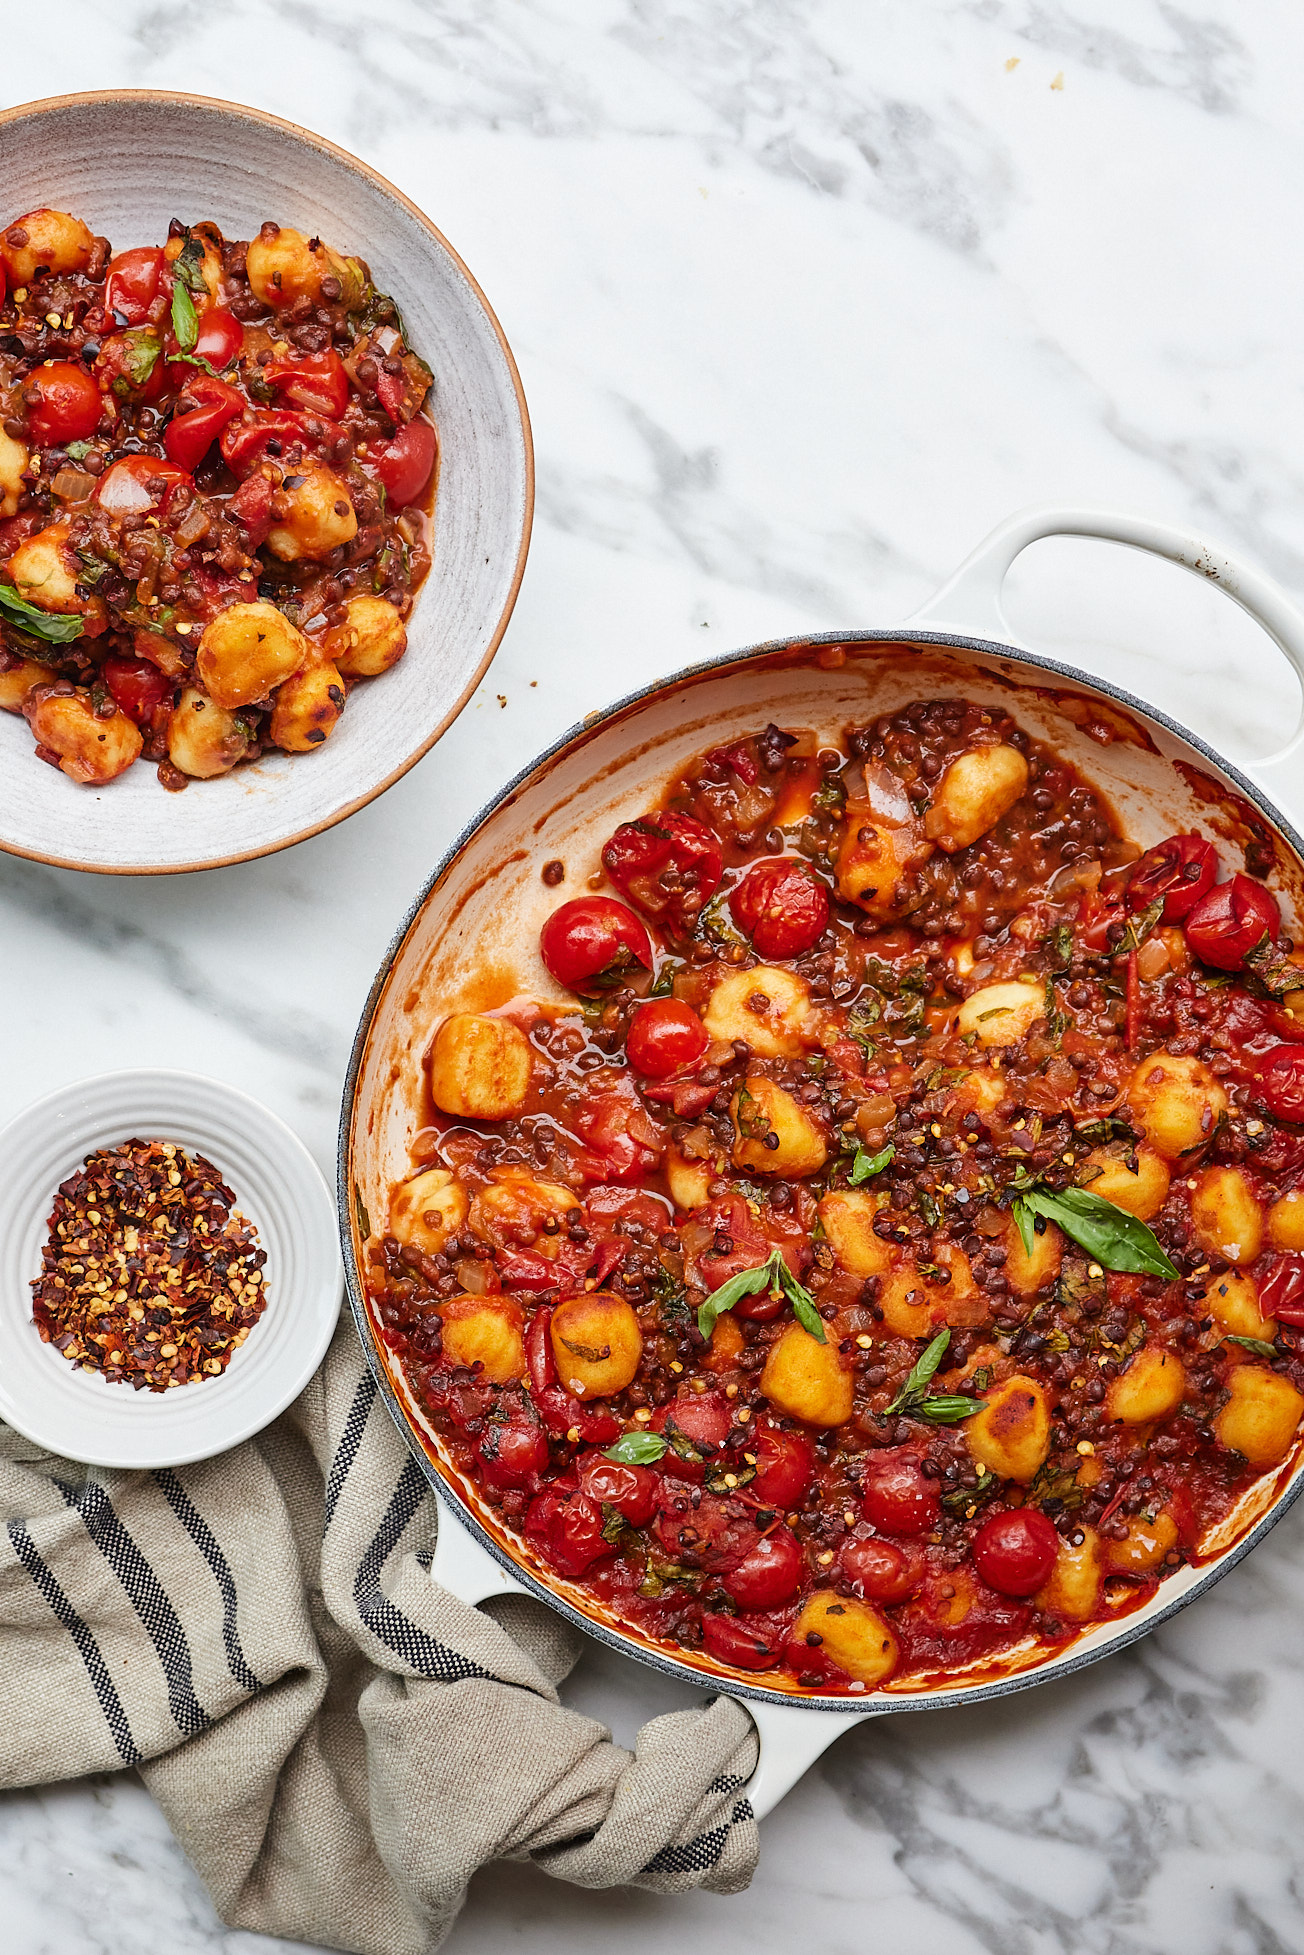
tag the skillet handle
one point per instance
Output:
(970, 603)
(462, 1566)
(792, 1737)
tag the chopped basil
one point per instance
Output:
(185, 320)
(1259, 1345)
(1140, 927)
(913, 1402)
(772, 1274)
(636, 1449)
(1114, 1238)
(54, 628)
(867, 1164)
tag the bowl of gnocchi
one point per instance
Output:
(265, 483)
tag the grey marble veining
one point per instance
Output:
(805, 297)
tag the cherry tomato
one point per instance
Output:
(785, 1467)
(263, 433)
(405, 464)
(621, 1135)
(665, 1037)
(1281, 1293)
(668, 865)
(219, 341)
(883, 1570)
(738, 1243)
(781, 907)
(138, 483)
(251, 507)
(1181, 870)
(771, 1574)
(1281, 1082)
(631, 1490)
(1230, 921)
(63, 404)
(511, 1455)
(567, 1528)
(700, 1422)
(591, 943)
(898, 1496)
(205, 408)
(138, 687)
(730, 1641)
(131, 284)
(316, 382)
(130, 366)
(1014, 1550)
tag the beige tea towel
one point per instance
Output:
(337, 1743)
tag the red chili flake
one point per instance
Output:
(151, 1276)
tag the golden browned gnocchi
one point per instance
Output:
(1177, 1102)
(1011, 1435)
(773, 1132)
(41, 242)
(425, 1211)
(204, 739)
(807, 1380)
(1001, 1014)
(90, 747)
(371, 638)
(307, 707)
(247, 651)
(768, 1008)
(318, 516)
(596, 1344)
(480, 1067)
(975, 791)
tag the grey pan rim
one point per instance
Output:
(1128, 1632)
(92, 97)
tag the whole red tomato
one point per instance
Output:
(631, 1490)
(511, 1455)
(668, 864)
(899, 1498)
(131, 284)
(204, 409)
(138, 687)
(785, 1467)
(219, 341)
(740, 1644)
(137, 484)
(63, 404)
(1281, 1082)
(1281, 1292)
(883, 1570)
(405, 464)
(1014, 1550)
(1230, 921)
(781, 907)
(1181, 870)
(665, 1037)
(316, 382)
(567, 1529)
(593, 942)
(770, 1575)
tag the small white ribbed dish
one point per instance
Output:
(277, 1186)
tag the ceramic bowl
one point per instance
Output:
(129, 162)
(277, 1186)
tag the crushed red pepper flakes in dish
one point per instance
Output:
(151, 1275)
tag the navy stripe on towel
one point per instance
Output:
(388, 1624)
(350, 1439)
(87, 1647)
(204, 1539)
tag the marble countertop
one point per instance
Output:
(806, 297)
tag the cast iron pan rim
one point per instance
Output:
(881, 1705)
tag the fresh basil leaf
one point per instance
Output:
(140, 354)
(188, 265)
(921, 1372)
(54, 628)
(946, 1409)
(866, 1164)
(1114, 1238)
(636, 1449)
(1140, 927)
(745, 1284)
(1259, 1345)
(197, 360)
(185, 320)
(809, 1318)
(1023, 1222)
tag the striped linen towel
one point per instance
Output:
(337, 1743)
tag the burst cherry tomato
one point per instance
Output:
(131, 284)
(1181, 870)
(63, 404)
(624, 1141)
(205, 408)
(1230, 921)
(266, 432)
(138, 483)
(1281, 1293)
(665, 1037)
(511, 1455)
(631, 1490)
(781, 907)
(770, 1575)
(138, 687)
(668, 865)
(316, 382)
(730, 1641)
(567, 1528)
(220, 340)
(1014, 1551)
(406, 464)
(785, 1466)
(1281, 1082)
(701, 1422)
(884, 1571)
(899, 1497)
(130, 367)
(592, 943)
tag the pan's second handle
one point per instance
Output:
(970, 603)
(792, 1737)
(462, 1566)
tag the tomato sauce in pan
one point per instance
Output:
(892, 1261)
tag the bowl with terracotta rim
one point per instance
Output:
(127, 162)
